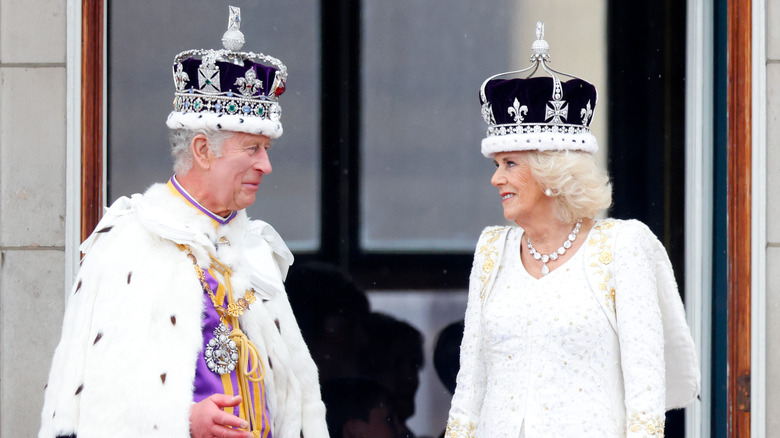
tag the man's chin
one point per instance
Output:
(245, 203)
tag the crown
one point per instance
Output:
(226, 89)
(537, 113)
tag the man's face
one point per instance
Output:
(235, 176)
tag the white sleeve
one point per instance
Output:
(640, 331)
(472, 376)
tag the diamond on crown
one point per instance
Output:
(249, 84)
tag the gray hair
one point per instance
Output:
(180, 146)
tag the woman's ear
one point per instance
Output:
(201, 154)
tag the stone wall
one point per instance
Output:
(32, 204)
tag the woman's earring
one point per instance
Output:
(548, 192)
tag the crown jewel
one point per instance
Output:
(537, 113)
(233, 39)
(540, 48)
(226, 89)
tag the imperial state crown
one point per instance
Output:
(226, 89)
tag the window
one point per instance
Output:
(379, 170)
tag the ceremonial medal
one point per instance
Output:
(221, 352)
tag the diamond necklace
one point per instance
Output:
(553, 256)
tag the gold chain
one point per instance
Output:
(233, 309)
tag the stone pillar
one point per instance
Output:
(773, 214)
(32, 204)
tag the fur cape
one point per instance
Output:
(132, 328)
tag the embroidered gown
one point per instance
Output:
(540, 357)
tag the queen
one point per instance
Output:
(574, 326)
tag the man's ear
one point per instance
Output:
(201, 154)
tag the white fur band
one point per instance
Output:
(235, 123)
(542, 141)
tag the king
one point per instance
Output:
(178, 324)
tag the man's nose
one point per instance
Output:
(263, 164)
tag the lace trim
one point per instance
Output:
(457, 430)
(650, 426)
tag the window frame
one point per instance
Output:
(340, 185)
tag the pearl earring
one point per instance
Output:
(548, 192)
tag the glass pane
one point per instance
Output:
(143, 38)
(425, 184)
(430, 313)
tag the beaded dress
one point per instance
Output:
(540, 357)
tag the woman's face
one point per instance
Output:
(520, 194)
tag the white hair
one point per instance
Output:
(579, 186)
(180, 146)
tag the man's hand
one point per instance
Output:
(208, 420)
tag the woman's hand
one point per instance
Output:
(208, 420)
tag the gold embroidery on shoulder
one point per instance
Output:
(603, 257)
(651, 426)
(457, 430)
(490, 252)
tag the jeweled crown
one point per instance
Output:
(537, 113)
(227, 89)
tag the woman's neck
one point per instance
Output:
(548, 234)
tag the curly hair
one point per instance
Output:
(579, 186)
(180, 146)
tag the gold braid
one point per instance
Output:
(249, 361)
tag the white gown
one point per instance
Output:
(551, 349)
(565, 355)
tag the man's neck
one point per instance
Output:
(190, 193)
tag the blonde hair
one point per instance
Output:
(579, 186)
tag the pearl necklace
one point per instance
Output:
(553, 256)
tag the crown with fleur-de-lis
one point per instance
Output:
(537, 113)
(227, 89)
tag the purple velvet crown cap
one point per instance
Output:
(535, 93)
(226, 89)
(523, 114)
(230, 74)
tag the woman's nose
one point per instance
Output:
(498, 178)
